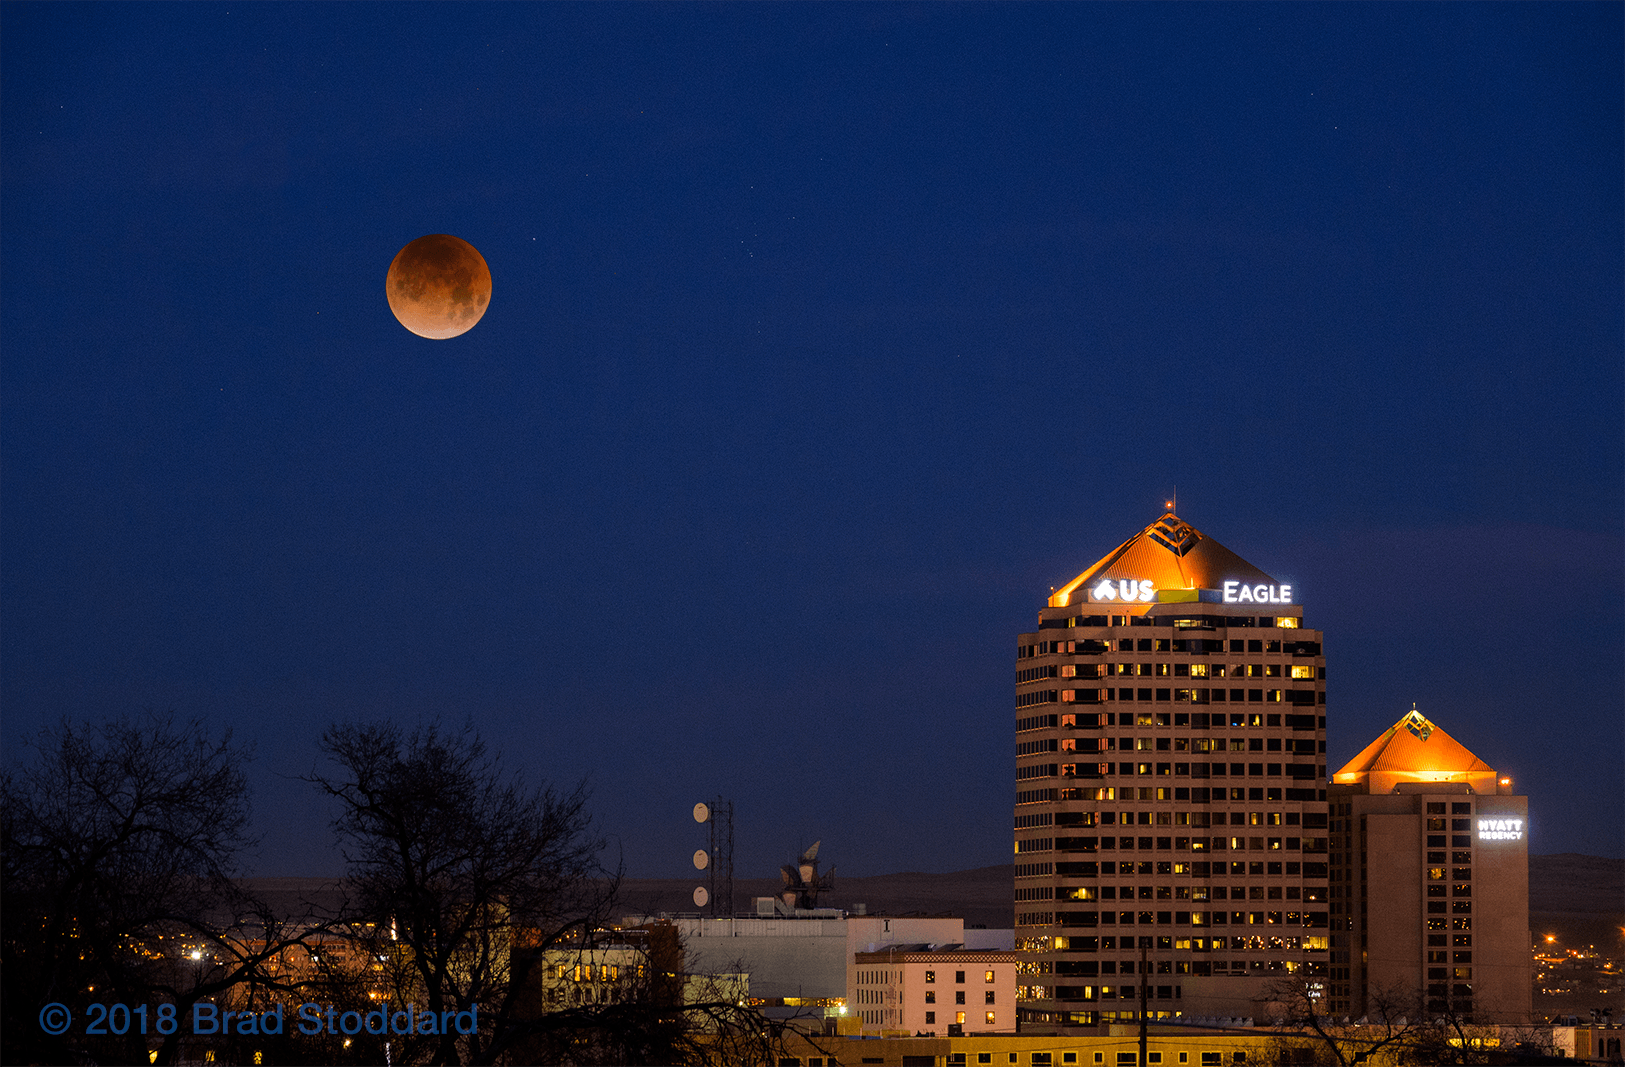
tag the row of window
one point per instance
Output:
(1233, 967)
(1460, 974)
(1181, 943)
(959, 997)
(1198, 893)
(1303, 745)
(1303, 672)
(1200, 720)
(1042, 1059)
(1089, 1018)
(1456, 841)
(1178, 844)
(590, 995)
(988, 1017)
(1198, 869)
(886, 977)
(588, 972)
(1301, 697)
(1194, 794)
(1439, 956)
(1171, 769)
(1189, 818)
(1094, 646)
(1313, 919)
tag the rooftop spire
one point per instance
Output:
(1416, 750)
(1172, 554)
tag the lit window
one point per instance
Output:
(1303, 672)
(989, 977)
(990, 1018)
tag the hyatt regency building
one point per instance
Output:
(1170, 795)
(1430, 877)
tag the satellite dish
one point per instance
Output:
(700, 896)
(702, 859)
(701, 812)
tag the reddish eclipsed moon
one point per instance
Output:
(438, 286)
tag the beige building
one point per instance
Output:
(918, 989)
(1430, 881)
(1170, 796)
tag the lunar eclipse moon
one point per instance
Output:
(438, 286)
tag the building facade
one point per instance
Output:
(921, 989)
(1430, 882)
(1170, 815)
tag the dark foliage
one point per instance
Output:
(117, 843)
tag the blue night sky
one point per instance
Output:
(825, 339)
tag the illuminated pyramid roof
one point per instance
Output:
(1415, 750)
(1173, 554)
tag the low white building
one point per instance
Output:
(810, 959)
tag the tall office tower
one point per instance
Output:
(1430, 881)
(1170, 788)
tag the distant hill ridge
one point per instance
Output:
(1580, 899)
